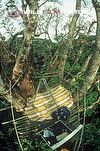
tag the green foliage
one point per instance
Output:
(73, 66)
(77, 84)
(53, 81)
(76, 69)
(91, 137)
(67, 67)
(90, 112)
(27, 144)
(44, 147)
(61, 37)
(37, 144)
(92, 96)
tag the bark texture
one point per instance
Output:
(30, 23)
(94, 63)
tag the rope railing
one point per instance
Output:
(13, 117)
(7, 108)
(12, 86)
(24, 116)
(20, 129)
(82, 131)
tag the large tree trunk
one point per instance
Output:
(94, 63)
(21, 71)
(30, 23)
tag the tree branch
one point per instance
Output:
(91, 106)
(94, 62)
(14, 37)
(69, 42)
(42, 3)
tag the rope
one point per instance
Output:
(3, 109)
(80, 141)
(38, 87)
(14, 121)
(13, 85)
(48, 90)
(17, 119)
(78, 107)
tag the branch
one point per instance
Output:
(42, 3)
(95, 103)
(56, 28)
(76, 77)
(14, 37)
(69, 42)
(96, 3)
(6, 48)
(91, 25)
(91, 106)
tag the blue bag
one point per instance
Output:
(61, 113)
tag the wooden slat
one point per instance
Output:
(44, 105)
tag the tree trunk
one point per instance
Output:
(60, 61)
(30, 23)
(24, 87)
(94, 62)
(69, 44)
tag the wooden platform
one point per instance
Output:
(42, 106)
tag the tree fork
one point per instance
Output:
(30, 28)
